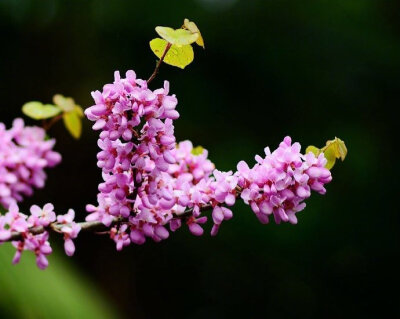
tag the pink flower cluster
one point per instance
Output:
(151, 182)
(279, 183)
(24, 154)
(15, 221)
(147, 179)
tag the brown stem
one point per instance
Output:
(151, 78)
(54, 120)
(92, 226)
(85, 226)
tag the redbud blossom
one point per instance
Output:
(24, 154)
(150, 181)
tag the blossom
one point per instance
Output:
(5, 232)
(279, 183)
(42, 216)
(24, 155)
(120, 236)
(70, 229)
(151, 182)
(40, 246)
(15, 221)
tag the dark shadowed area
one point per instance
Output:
(309, 69)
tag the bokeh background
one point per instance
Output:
(310, 69)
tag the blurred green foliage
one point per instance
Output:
(59, 292)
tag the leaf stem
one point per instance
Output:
(54, 120)
(151, 78)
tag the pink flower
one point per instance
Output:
(42, 217)
(42, 250)
(194, 225)
(120, 236)
(39, 245)
(279, 183)
(15, 220)
(150, 181)
(24, 154)
(5, 232)
(70, 231)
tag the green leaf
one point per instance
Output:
(79, 110)
(178, 37)
(72, 122)
(192, 27)
(338, 147)
(40, 111)
(329, 154)
(333, 150)
(341, 148)
(315, 150)
(67, 104)
(198, 150)
(179, 56)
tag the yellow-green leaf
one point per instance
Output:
(315, 150)
(330, 155)
(198, 150)
(179, 56)
(73, 123)
(192, 27)
(78, 110)
(40, 111)
(341, 148)
(178, 37)
(67, 104)
(337, 147)
(333, 150)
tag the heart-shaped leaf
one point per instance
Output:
(178, 37)
(78, 110)
(341, 149)
(40, 111)
(73, 123)
(179, 56)
(67, 104)
(315, 150)
(333, 150)
(337, 147)
(330, 156)
(192, 27)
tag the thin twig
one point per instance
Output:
(54, 120)
(85, 226)
(94, 226)
(151, 78)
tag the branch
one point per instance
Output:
(151, 78)
(94, 226)
(48, 124)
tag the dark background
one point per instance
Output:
(310, 69)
